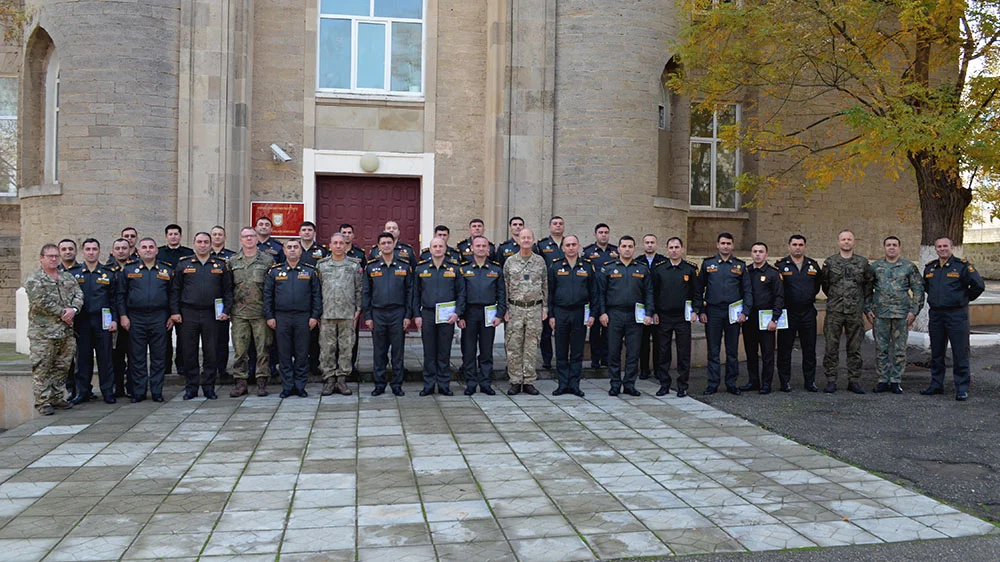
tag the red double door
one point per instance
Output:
(367, 203)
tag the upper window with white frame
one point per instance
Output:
(8, 135)
(714, 168)
(371, 47)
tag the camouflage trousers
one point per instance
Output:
(835, 325)
(890, 348)
(244, 332)
(50, 360)
(521, 336)
(336, 340)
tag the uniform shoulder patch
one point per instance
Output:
(427, 249)
(930, 263)
(274, 266)
(309, 265)
(189, 258)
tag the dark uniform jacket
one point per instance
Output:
(800, 285)
(273, 248)
(657, 260)
(358, 254)
(293, 289)
(484, 285)
(465, 251)
(172, 256)
(401, 252)
(450, 254)
(99, 288)
(673, 286)
(952, 285)
(598, 257)
(548, 249)
(768, 291)
(506, 250)
(623, 286)
(112, 262)
(197, 285)
(224, 254)
(572, 286)
(725, 282)
(315, 253)
(433, 285)
(144, 289)
(387, 285)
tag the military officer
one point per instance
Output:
(550, 248)
(401, 251)
(485, 294)
(341, 278)
(892, 308)
(130, 252)
(599, 254)
(511, 246)
(675, 297)
(451, 254)
(625, 305)
(476, 228)
(847, 282)
(269, 245)
(120, 339)
(386, 301)
(171, 253)
(437, 282)
(724, 282)
(801, 281)
(527, 279)
(201, 295)
(950, 283)
(54, 299)
(647, 345)
(144, 310)
(249, 269)
(220, 251)
(572, 299)
(312, 252)
(95, 323)
(768, 294)
(293, 305)
(359, 254)
(130, 234)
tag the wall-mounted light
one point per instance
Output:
(369, 162)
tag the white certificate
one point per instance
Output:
(640, 313)
(442, 311)
(491, 313)
(586, 314)
(106, 318)
(219, 307)
(764, 318)
(735, 310)
(688, 311)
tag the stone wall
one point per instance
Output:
(10, 258)
(986, 258)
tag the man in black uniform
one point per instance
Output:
(572, 298)
(293, 305)
(144, 309)
(648, 345)
(437, 281)
(386, 302)
(170, 254)
(120, 250)
(401, 251)
(130, 235)
(451, 254)
(768, 294)
(950, 283)
(511, 246)
(202, 294)
(312, 252)
(95, 323)
(359, 254)
(550, 248)
(599, 254)
(625, 305)
(484, 287)
(476, 228)
(220, 251)
(268, 245)
(801, 281)
(724, 281)
(676, 298)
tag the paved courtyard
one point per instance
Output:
(490, 478)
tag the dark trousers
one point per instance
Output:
(647, 347)
(92, 338)
(622, 327)
(570, 335)
(946, 326)
(546, 344)
(354, 350)
(598, 345)
(147, 332)
(753, 339)
(801, 322)
(672, 327)
(171, 357)
(199, 325)
(718, 326)
(222, 345)
(388, 337)
(437, 350)
(292, 337)
(272, 354)
(120, 362)
(314, 350)
(477, 335)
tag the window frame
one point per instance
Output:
(52, 107)
(714, 141)
(12, 188)
(387, 22)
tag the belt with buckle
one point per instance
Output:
(525, 304)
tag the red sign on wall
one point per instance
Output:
(286, 217)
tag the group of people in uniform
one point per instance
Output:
(302, 303)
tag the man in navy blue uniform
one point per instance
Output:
(386, 301)
(550, 248)
(436, 282)
(476, 228)
(724, 281)
(801, 278)
(675, 287)
(93, 331)
(484, 287)
(572, 289)
(293, 305)
(599, 254)
(511, 246)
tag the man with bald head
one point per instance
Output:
(400, 251)
(526, 276)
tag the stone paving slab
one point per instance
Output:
(529, 478)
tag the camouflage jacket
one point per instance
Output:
(341, 285)
(893, 285)
(847, 283)
(48, 298)
(248, 284)
(527, 279)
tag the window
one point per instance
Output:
(52, 120)
(713, 168)
(8, 136)
(371, 47)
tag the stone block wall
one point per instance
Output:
(10, 262)
(986, 258)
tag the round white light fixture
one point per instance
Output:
(369, 162)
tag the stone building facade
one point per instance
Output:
(145, 113)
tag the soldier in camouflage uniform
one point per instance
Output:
(892, 309)
(340, 279)
(526, 276)
(249, 269)
(54, 299)
(847, 282)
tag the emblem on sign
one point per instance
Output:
(279, 219)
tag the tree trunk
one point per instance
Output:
(943, 199)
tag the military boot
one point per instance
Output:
(328, 387)
(240, 389)
(341, 386)
(262, 386)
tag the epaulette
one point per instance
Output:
(691, 263)
(962, 260)
(422, 262)
(275, 265)
(494, 262)
(309, 265)
(191, 257)
(930, 263)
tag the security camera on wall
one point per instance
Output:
(279, 154)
